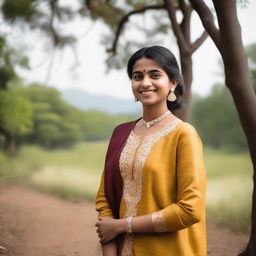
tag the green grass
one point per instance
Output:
(220, 163)
(75, 174)
(229, 192)
(70, 173)
(88, 155)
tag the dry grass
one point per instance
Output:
(75, 174)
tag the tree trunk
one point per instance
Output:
(246, 109)
(182, 32)
(9, 141)
(238, 81)
(186, 69)
(244, 97)
(228, 40)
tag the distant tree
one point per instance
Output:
(9, 59)
(228, 40)
(56, 124)
(100, 125)
(15, 111)
(218, 131)
(15, 117)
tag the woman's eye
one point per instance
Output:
(155, 76)
(137, 77)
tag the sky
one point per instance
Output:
(88, 56)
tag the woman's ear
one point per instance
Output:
(173, 84)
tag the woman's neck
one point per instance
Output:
(150, 113)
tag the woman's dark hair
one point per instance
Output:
(167, 61)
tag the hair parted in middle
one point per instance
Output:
(167, 61)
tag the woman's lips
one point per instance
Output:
(147, 93)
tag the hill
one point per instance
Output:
(88, 101)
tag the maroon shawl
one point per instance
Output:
(113, 183)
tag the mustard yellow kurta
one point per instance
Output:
(163, 173)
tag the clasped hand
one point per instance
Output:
(108, 228)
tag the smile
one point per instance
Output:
(147, 92)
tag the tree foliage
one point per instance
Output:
(9, 59)
(15, 112)
(209, 115)
(46, 16)
(22, 9)
(57, 124)
(52, 125)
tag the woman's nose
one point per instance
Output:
(146, 81)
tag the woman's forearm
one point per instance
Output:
(109, 249)
(109, 228)
(141, 224)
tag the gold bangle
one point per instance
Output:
(129, 224)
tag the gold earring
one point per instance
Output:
(171, 95)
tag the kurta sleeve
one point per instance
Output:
(101, 203)
(191, 183)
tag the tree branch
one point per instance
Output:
(88, 4)
(229, 27)
(181, 40)
(199, 41)
(185, 24)
(232, 49)
(52, 15)
(126, 18)
(207, 20)
(185, 8)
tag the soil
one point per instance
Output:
(37, 224)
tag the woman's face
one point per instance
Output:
(150, 83)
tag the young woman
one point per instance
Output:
(151, 200)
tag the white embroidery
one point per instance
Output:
(158, 221)
(131, 163)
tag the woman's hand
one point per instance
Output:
(108, 228)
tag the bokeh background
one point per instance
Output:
(62, 92)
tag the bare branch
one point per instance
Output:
(88, 4)
(199, 41)
(186, 21)
(52, 15)
(185, 8)
(183, 44)
(49, 69)
(126, 18)
(206, 17)
(232, 49)
(228, 21)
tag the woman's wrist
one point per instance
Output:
(121, 226)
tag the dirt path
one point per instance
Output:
(35, 224)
